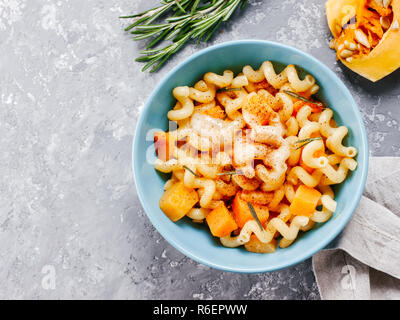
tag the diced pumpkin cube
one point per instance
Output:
(177, 201)
(161, 143)
(242, 213)
(220, 221)
(305, 201)
(255, 245)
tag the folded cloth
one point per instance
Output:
(363, 262)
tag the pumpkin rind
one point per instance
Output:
(384, 58)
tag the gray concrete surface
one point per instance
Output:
(71, 225)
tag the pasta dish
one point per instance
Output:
(252, 155)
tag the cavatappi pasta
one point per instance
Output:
(253, 156)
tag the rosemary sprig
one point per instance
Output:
(184, 20)
(306, 142)
(297, 96)
(254, 214)
(191, 171)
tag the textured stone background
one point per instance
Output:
(70, 97)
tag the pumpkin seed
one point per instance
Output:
(362, 38)
(386, 3)
(346, 53)
(350, 45)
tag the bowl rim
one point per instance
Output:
(308, 252)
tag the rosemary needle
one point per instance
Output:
(254, 214)
(308, 140)
(178, 21)
(297, 96)
(231, 173)
(229, 89)
(305, 142)
(191, 171)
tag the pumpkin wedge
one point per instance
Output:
(373, 27)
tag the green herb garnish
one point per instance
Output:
(231, 173)
(191, 171)
(254, 214)
(297, 96)
(183, 20)
(229, 89)
(305, 142)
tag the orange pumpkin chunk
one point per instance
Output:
(305, 201)
(242, 213)
(177, 201)
(220, 221)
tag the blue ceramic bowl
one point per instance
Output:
(194, 240)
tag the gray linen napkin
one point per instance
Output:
(363, 262)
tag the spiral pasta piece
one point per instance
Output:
(198, 213)
(202, 96)
(226, 189)
(182, 95)
(246, 183)
(231, 105)
(292, 127)
(240, 81)
(299, 85)
(308, 154)
(333, 176)
(166, 166)
(208, 187)
(335, 136)
(257, 196)
(298, 173)
(218, 80)
(277, 80)
(295, 153)
(287, 106)
(253, 76)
